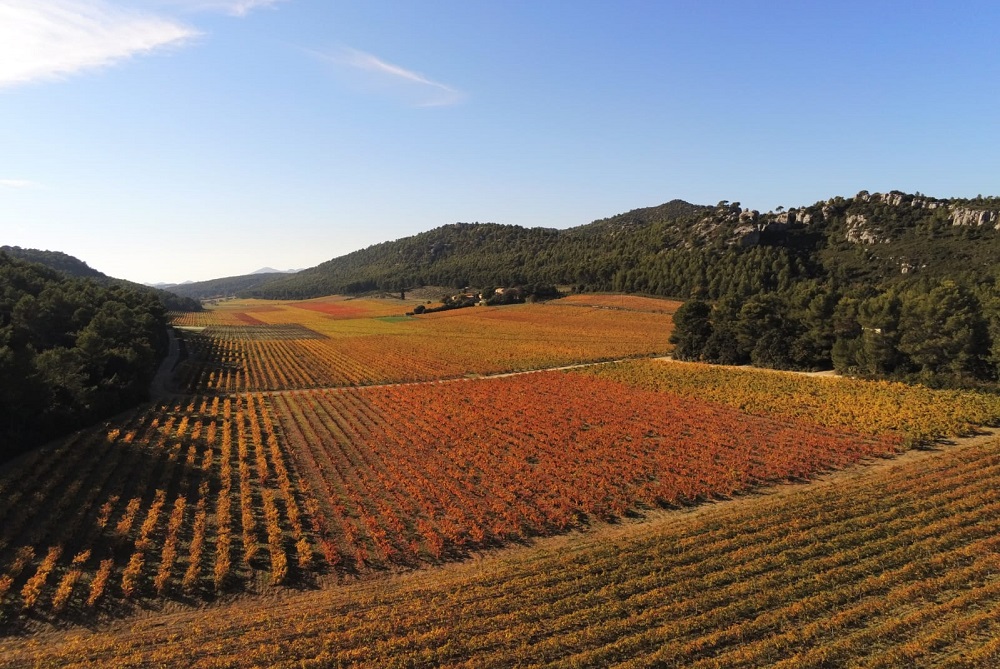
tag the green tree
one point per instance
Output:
(943, 332)
(878, 352)
(692, 329)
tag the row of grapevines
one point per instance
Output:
(418, 472)
(894, 568)
(151, 509)
(874, 407)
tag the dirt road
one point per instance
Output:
(161, 384)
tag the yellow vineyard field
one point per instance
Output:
(875, 407)
(367, 349)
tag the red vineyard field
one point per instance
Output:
(894, 567)
(191, 500)
(406, 474)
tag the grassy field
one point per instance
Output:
(188, 530)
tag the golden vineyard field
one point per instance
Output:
(291, 457)
(916, 413)
(250, 346)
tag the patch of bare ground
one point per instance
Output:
(162, 383)
(823, 372)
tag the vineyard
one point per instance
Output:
(181, 501)
(446, 467)
(871, 407)
(192, 500)
(289, 346)
(890, 568)
(290, 461)
(622, 302)
(298, 312)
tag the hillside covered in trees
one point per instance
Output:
(72, 350)
(225, 286)
(877, 284)
(74, 267)
(678, 250)
(893, 286)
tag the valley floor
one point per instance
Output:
(328, 483)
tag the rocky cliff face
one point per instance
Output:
(744, 227)
(975, 217)
(865, 219)
(860, 228)
(860, 232)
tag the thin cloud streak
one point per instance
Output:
(19, 184)
(47, 39)
(427, 92)
(231, 7)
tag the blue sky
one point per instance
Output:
(165, 140)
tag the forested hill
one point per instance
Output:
(226, 286)
(72, 350)
(74, 267)
(856, 283)
(57, 260)
(678, 249)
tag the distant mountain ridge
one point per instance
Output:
(673, 249)
(225, 286)
(271, 270)
(667, 249)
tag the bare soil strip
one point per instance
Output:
(160, 386)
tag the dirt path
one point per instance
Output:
(561, 368)
(160, 386)
(825, 372)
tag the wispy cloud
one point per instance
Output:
(44, 39)
(19, 184)
(231, 7)
(415, 88)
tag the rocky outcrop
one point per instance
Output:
(748, 228)
(751, 225)
(858, 230)
(919, 202)
(784, 218)
(897, 199)
(893, 198)
(975, 217)
(869, 218)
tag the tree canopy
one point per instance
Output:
(72, 350)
